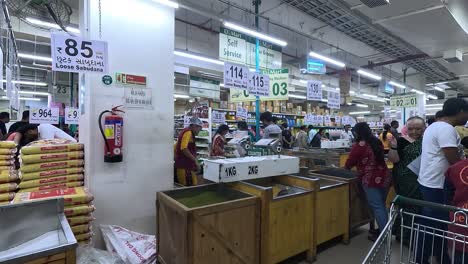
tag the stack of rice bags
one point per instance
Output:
(8, 173)
(51, 164)
(78, 208)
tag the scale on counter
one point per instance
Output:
(238, 145)
(248, 168)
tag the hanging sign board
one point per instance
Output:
(241, 113)
(240, 48)
(61, 94)
(206, 88)
(334, 100)
(404, 101)
(316, 66)
(259, 84)
(44, 116)
(279, 88)
(314, 90)
(138, 98)
(218, 117)
(74, 54)
(130, 79)
(72, 116)
(236, 76)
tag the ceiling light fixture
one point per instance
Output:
(431, 96)
(369, 75)
(362, 105)
(417, 91)
(256, 34)
(184, 96)
(34, 93)
(34, 57)
(28, 83)
(359, 113)
(397, 84)
(438, 89)
(51, 25)
(327, 59)
(297, 96)
(33, 68)
(168, 3)
(370, 95)
(196, 57)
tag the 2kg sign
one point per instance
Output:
(44, 116)
(73, 54)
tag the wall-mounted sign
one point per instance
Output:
(404, 101)
(206, 88)
(138, 98)
(315, 66)
(314, 90)
(130, 79)
(107, 79)
(74, 54)
(240, 48)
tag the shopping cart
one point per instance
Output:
(411, 237)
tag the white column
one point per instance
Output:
(140, 36)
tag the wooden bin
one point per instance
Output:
(332, 210)
(220, 229)
(287, 223)
(359, 211)
(66, 257)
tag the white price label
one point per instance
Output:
(259, 84)
(44, 116)
(241, 113)
(327, 120)
(309, 119)
(72, 116)
(74, 54)
(338, 120)
(236, 76)
(319, 120)
(314, 90)
(334, 100)
(218, 117)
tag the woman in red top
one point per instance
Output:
(219, 140)
(367, 155)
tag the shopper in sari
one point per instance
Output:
(368, 157)
(404, 151)
(219, 140)
(185, 154)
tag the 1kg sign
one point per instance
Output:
(72, 116)
(44, 116)
(74, 54)
(236, 76)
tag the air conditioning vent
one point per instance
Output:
(375, 3)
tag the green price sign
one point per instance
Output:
(404, 101)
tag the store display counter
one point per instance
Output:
(36, 232)
(208, 224)
(359, 211)
(287, 215)
(315, 158)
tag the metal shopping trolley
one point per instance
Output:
(410, 237)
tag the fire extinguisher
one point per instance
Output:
(112, 134)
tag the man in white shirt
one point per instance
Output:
(47, 131)
(347, 134)
(440, 149)
(271, 129)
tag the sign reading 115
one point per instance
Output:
(257, 81)
(236, 72)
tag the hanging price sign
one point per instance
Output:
(74, 54)
(327, 120)
(334, 100)
(236, 76)
(72, 116)
(218, 117)
(241, 113)
(44, 116)
(404, 101)
(319, 120)
(338, 120)
(314, 90)
(259, 84)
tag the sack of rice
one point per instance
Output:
(51, 180)
(8, 187)
(80, 229)
(7, 163)
(7, 156)
(72, 196)
(80, 219)
(51, 146)
(83, 237)
(51, 166)
(5, 197)
(8, 176)
(5, 151)
(49, 157)
(50, 173)
(7, 145)
(82, 209)
(54, 186)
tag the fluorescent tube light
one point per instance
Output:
(256, 34)
(34, 93)
(325, 100)
(370, 95)
(29, 99)
(327, 59)
(297, 96)
(397, 84)
(196, 57)
(359, 113)
(73, 30)
(352, 92)
(431, 96)
(417, 91)
(168, 3)
(303, 81)
(28, 83)
(33, 68)
(433, 105)
(34, 57)
(51, 25)
(181, 96)
(362, 105)
(369, 75)
(438, 89)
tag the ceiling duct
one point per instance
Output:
(375, 3)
